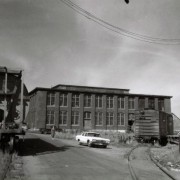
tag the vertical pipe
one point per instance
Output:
(22, 97)
(5, 100)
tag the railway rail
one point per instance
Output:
(131, 170)
(134, 174)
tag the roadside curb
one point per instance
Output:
(162, 168)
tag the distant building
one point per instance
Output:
(83, 108)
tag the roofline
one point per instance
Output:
(39, 88)
(94, 87)
(142, 95)
(151, 95)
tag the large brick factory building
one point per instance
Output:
(83, 108)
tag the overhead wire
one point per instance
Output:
(119, 30)
(88, 15)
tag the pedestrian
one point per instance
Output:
(53, 130)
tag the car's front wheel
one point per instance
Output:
(79, 142)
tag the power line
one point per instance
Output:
(119, 30)
(92, 17)
(122, 31)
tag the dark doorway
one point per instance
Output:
(87, 121)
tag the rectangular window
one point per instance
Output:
(63, 117)
(109, 118)
(51, 99)
(98, 101)
(75, 118)
(50, 117)
(63, 99)
(87, 115)
(161, 104)
(151, 103)
(98, 118)
(75, 100)
(121, 119)
(121, 102)
(87, 100)
(109, 101)
(141, 103)
(131, 103)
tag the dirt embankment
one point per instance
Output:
(168, 156)
(15, 171)
(10, 166)
(5, 160)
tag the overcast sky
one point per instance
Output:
(56, 45)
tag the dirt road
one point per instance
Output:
(42, 158)
(46, 159)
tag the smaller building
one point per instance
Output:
(85, 108)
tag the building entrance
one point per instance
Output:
(87, 121)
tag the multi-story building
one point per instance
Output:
(82, 107)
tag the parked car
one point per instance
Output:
(92, 139)
(45, 131)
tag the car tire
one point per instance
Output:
(79, 142)
(88, 143)
(105, 146)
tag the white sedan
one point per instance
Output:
(92, 138)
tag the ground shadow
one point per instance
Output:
(35, 146)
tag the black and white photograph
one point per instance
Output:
(89, 90)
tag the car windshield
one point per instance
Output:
(94, 135)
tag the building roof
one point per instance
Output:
(89, 89)
(92, 87)
(150, 95)
(85, 89)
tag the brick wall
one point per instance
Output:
(38, 107)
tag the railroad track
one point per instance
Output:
(131, 170)
(137, 176)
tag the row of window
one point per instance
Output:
(75, 118)
(87, 101)
(99, 101)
